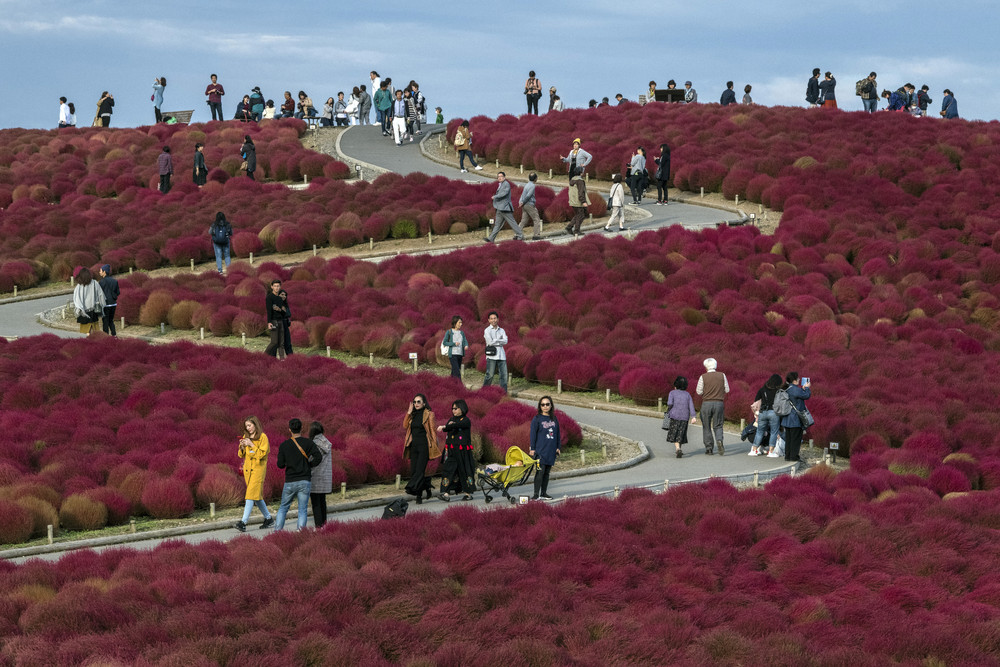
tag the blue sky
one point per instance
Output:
(472, 57)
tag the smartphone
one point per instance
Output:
(806, 382)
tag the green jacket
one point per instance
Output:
(383, 100)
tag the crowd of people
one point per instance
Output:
(779, 409)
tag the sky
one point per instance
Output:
(473, 57)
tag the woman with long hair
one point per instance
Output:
(158, 85)
(88, 298)
(459, 467)
(200, 173)
(544, 439)
(662, 174)
(767, 415)
(322, 475)
(254, 448)
(419, 445)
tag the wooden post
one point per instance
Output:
(498, 164)
(558, 386)
(71, 281)
(703, 193)
(812, 443)
(743, 424)
(666, 485)
(314, 249)
(399, 480)
(737, 200)
(131, 525)
(123, 321)
(756, 479)
(604, 451)
(251, 259)
(192, 265)
(305, 178)
(211, 510)
(659, 405)
(51, 532)
(63, 313)
(202, 332)
(244, 337)
(15, 291)
(550, 174)
(430, 237)
(583, 457)
(343, 490)
(414, 365)
(327, 351)
(586, 178)
(522, 169)
(371, 358)
(607, 395)
(163, 328)
(618, 491)
(371, 243)
(130, 270)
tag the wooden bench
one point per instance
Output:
(183, 117)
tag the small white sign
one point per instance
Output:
(413, 355)
(834, 446)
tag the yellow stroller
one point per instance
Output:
(518, 469)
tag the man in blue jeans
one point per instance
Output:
(297, 456)
(496, 359)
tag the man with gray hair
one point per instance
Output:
(712, 387)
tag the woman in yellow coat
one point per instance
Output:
(254, 449)
(420, 445)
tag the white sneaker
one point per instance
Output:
(753, 452)
(478, 168)
(772, 455)
(464, 171)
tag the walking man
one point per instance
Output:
(398, 118)
(109, 286)
(496, 357)
(215, 91)
(712, 387)
(528, 208)
(504, 211)
(297, 456)
(275, 307)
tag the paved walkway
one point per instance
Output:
(18, 319)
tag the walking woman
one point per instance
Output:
(459, 467)
(200, 169)
(617, 202)
(544, 439)
(158, 86)
(322, 475)
(662, 174)
(88, 298)
(457, 344)
(249, 154)
(532, 91)
(463, 144)
(680, 409)
(420, 445)
(254, 449)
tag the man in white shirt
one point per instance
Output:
(399, 118)
(63, 113)
(496, 360)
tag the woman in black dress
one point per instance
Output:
(200, 169)
(420, 445)
(459, 465)
(249, 154)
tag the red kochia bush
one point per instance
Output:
(167, 498)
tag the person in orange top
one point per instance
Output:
(420, 445)
(254, 449)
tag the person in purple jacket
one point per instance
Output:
(680, 410)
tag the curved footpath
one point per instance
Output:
(20, 319)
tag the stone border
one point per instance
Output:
(376, 171)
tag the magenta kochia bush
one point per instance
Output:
(163, 421)
(703, 574)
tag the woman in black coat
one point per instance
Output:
(249, 154)
(662, 174)
(459, 467)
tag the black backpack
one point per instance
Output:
(395, 509)
(220, 233)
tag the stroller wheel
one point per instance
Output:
(489, 499)
(513, 501)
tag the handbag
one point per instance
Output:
(445, 348)
(243, 167)
(805, 417)
(491, 350)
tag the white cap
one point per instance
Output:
(710, 364)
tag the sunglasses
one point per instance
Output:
(418, 402)
(546, 405)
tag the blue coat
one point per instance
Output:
(949, 105)
(544, 438)
(798, 396)
(728, 97)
